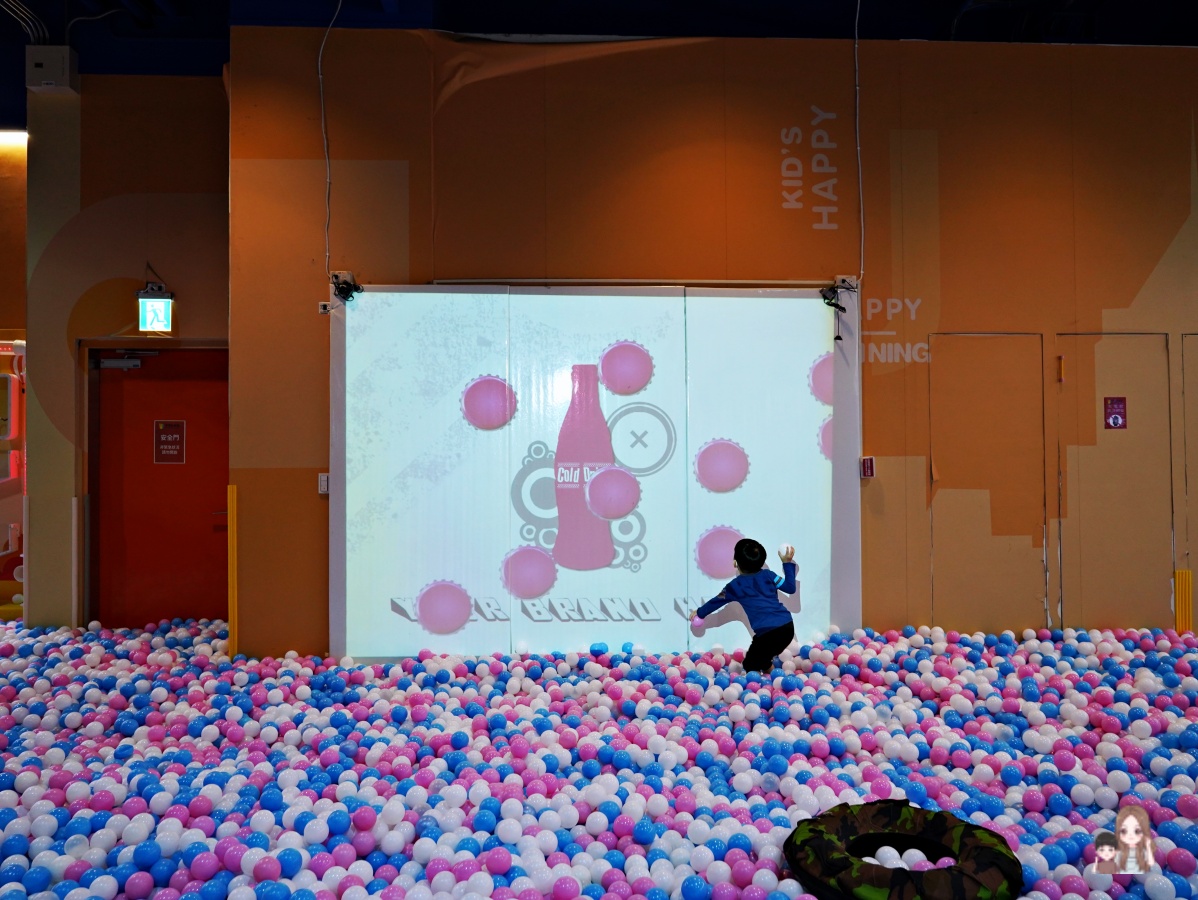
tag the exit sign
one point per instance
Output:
(155, 314)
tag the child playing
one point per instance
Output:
(756, 590)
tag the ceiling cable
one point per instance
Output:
(324, 131)
(67, 35)
(41, 34)
(26, 25)
(857, 121)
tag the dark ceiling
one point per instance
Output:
(191, 37)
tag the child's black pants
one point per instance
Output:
(766, 646)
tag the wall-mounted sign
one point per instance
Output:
(170, 441)
(1114, 412)
(155, 314)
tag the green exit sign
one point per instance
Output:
(155, 314)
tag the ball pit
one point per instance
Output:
(148, 765)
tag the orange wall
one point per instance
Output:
(1011, 189)
(133, 171)
(12, 239)
(1006, 188)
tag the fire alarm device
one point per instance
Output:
(867, 467)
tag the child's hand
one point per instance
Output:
(786, 553)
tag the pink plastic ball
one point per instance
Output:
(267, 869)
(713, 552)
(102, 801)
(467, 867)
(1074, 884)
(820, 379)
(1182, 861)
(498, 861)
(529, 572)
(1187, 805)
(613, 493)
(488, 402)
(1064, 761)
(565, 889)
(721, 466)
(205, 866)
(742, 873)
(232, 858)
(139, 885)
(625, 368)
(443, 607)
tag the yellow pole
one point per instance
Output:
(1183, 600)
(232, 570)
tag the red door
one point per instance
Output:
(160, 458)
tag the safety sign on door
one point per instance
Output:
(170, 441)
(1114, 412)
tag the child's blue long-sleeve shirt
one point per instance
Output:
(758, 595)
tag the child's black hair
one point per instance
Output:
(1106, 839)
(749, 556)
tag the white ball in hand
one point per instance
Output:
(786, 550)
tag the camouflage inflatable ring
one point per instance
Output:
(826, 855)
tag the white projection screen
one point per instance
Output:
(523, 469)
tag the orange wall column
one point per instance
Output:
(279, 343)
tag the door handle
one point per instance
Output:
(221, 512)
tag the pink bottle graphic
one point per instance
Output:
(583, 448)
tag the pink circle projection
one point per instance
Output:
(488, 402)
(713, 552)
(613, 493)
(625, 367)
(443, 607)
(820, 379)
(529, 572)
(825, 438)
(721, 465)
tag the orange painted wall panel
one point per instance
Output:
(791, 159)
(152, 135)
(1006, 188)
(635, 147)
(12, 237)
(489, 130)
(283, 564)
(994, 177)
